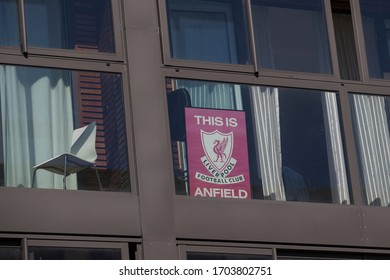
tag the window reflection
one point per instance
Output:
(41, 107)
(376, 25)
(291, 35)
(83, 25)
(225, 256)
(213, 31)
(9, 23)
(295, 146)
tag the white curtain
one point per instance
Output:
(337, 169)
(274, 176)
(265, 108)
(212, 95)
(36, 103)
(265, 114)
(37, 123)
(373, 144)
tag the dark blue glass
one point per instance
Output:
(9, 24)
(213, 31)
(82, 25)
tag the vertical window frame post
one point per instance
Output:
(22, 28)
(251, 33)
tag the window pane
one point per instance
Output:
(54, 253)
(213, 31)
(9, 23)
(376, 25)
(40, 108)
(291, 35)
(10, 253)
(83, 25)
(294, 142)
(225, 256)
(10, 249)
(345, 40)
(371, 126)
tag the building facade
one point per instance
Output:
(226, 129)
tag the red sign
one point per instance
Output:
(217, 153)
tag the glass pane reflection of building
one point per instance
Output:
(295, 145)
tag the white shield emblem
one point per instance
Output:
(218, 148)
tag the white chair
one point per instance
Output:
(82, 155)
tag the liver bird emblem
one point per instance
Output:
(219, 149)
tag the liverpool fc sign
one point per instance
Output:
(217, 153)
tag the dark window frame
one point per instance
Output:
(26, 50)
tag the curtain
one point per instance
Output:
(265, 114)
(212, 95)
(36, 105)
(337, 169)
(37, 123)
(371, 125)
(265, 108)
(282, 182)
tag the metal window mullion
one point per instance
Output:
(22, 27)
(331, 38)
(251, 34)
(357, 22)
(350, 149)
(24, 249)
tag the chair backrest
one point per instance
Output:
(83, 142)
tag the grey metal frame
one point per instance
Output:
(65, 241)
(168, 60)
(27, 50)
(355, 225)
(224, 249)
(152, 214)
(122, 246)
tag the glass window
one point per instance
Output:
(288, 254)
(83, 25)
(58, 253)
(376, 25)
(291, 35)
(40, 109)
(371, 125)
(9, 23)
(10, 249)
(225, 256)
(345, 40)
(292, 140)
(213, 30)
